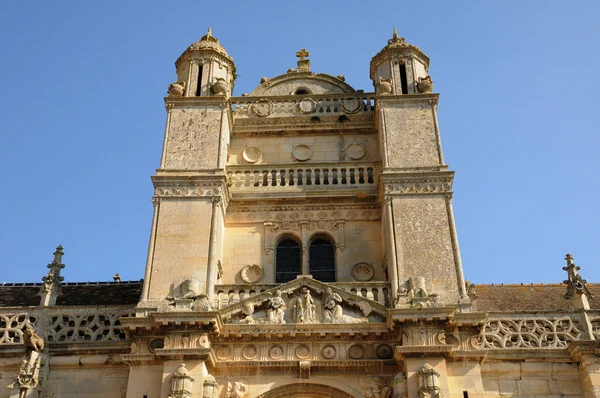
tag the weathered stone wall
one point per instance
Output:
(192, 138)
(531, 379)
(181, 244)
(424, 244)
(410, 135)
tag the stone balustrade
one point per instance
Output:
(310, 177)
(311, 105)
(231, 294)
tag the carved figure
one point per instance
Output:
(383, 86)
(305, 307)
(31, 365)
(220, 87)
(237, 389)
(176, 89)
(248, 310)
(376, 388)
(425, 85)
(276, 311)
(333, 309)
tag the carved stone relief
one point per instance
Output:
(363, 272)
(262, 108)
(252, 273)
(413, 294)
(375, 387)
(237, 389)
(34, 365)
(295, 302)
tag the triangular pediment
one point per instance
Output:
(304, 301)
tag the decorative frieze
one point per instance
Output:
(316, 216)
(533, 332)
(65, 325)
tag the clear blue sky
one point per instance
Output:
(82, 119)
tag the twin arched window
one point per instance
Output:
(288, 260)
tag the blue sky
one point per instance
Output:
(82, 119)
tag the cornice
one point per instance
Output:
(187, 102)
(388, 99)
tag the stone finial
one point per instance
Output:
(576, 287)
(117, 277)
(395, 38)
(303, 63)
(181, 383)
(51, 288)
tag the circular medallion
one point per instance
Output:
(252, 273)
(252, 154)
(302, 351)
(249, 352)
(355, 151)
(350, 105)
(307, 105)
(363, 272)
(223, 352)
(356, 351)
(328, 352)
(302, 152)
(262, 108)
(384, 351)
(276, 352)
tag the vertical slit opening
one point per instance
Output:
(403, 80)
(465, 394)
(199, 82)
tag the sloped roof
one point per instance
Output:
(528, 297)
(74, 293)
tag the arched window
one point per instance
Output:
(288, 263)
(322, 260)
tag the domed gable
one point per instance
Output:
(302, 83)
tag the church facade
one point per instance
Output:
(303, 244)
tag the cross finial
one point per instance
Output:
(209, 33)
(302, 54)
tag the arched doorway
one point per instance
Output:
(305, 390)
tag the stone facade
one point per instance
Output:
(303, 158)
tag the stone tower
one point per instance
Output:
(302, 244)
(304, 157)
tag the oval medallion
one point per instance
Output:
(276, 352)
(223, 352)
(356, 351)
(384, 351)
(249, 352)
(302, 351)
(302, 152)
(252, 154)
(328, 352)
(355, 151)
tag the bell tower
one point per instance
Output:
(400, 69)
(189, 196)
(423, 258)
